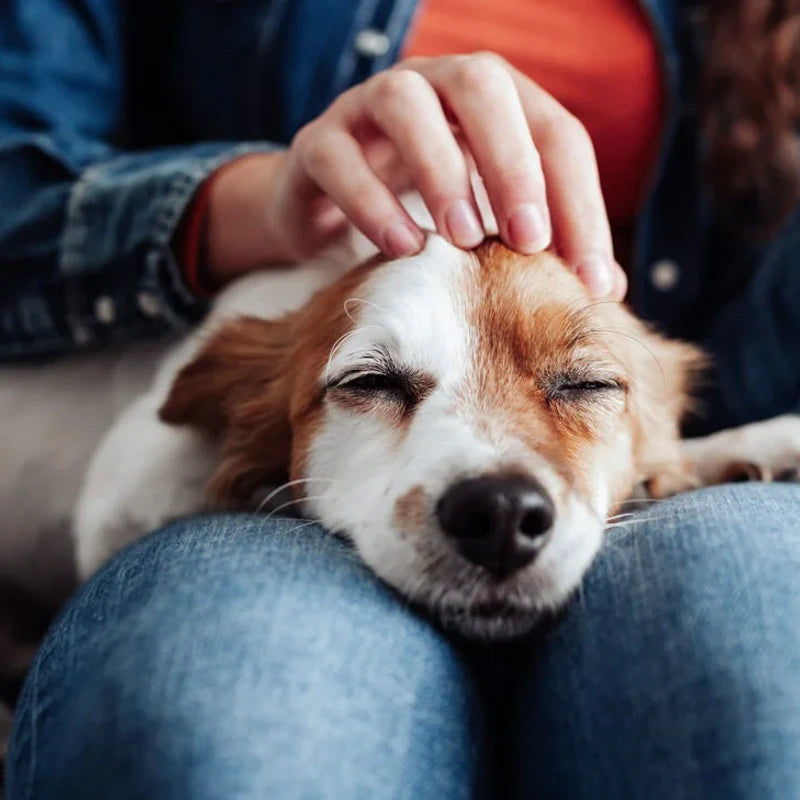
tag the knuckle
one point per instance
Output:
(521, 176)
(524, 169)
(575, 129)
(302, 137)
(436, 184)
(481, 73)
(565, 129)
(319, 152)
(397, 86)
(490, 55)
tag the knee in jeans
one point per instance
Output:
(715, 567)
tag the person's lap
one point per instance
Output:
(236, 657)
(676, 671)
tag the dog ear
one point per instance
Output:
(236, 390)
(664, 372)
(667, 370)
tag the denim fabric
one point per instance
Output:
(239, 657)
(675, 673)
(103, 104)
(232, 657)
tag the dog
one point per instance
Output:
(469, 420)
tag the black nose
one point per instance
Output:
(497, 522)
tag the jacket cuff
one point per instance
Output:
(120, 272)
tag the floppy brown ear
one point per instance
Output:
(663, 373)
(236, 390)
(667, 371)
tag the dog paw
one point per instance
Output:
(761, 451)
(669, 482)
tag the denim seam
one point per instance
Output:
(75, 230)
(268, 29)
(169, 209)
(402, 13)
(349, 58)
(73, 238)
(174, 203)
(643, 232)
(32, 713)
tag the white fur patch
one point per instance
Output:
(417, 310)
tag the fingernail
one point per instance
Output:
(462, 225)
(527, 230)
(399, 239)
(619, 282)
(595, 272)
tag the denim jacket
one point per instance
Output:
(112, 114)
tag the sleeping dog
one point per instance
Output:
(471, 421)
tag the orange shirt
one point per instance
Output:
(598, 58)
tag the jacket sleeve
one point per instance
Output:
(86, 227)
(754, 341)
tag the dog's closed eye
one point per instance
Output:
(579, 390)
(358, 387)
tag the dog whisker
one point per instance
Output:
(340, 341)
(359, 300)
(617, 332)
(306, 523)
(296, 501)
(638, 521)
(348, 555)
(641, 500)
(278, 489)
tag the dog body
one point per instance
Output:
(469, 420)
(53, 417)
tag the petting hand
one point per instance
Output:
(435, 117)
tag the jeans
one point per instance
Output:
(238, 657)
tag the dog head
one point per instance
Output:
(467, 419)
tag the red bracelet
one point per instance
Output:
(191, 236)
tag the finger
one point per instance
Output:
(620, 283)
(331, 158)
(615, 288)
(405, 107)
(574, 194)
(385, 162)
(482, 96)
(577, 206)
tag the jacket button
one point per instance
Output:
(371, 43)
(104, 310)
(148, 304)
(664, 275)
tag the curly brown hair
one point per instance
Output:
(750, 100)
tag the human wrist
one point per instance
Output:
(236, 234)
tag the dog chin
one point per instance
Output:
(488, 622)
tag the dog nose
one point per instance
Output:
(500, 523)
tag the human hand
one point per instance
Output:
(436, 116)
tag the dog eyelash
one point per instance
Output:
(590, 386)
(370, 382)
(391, 384)
(580, 389)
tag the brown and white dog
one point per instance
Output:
(469, 420)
